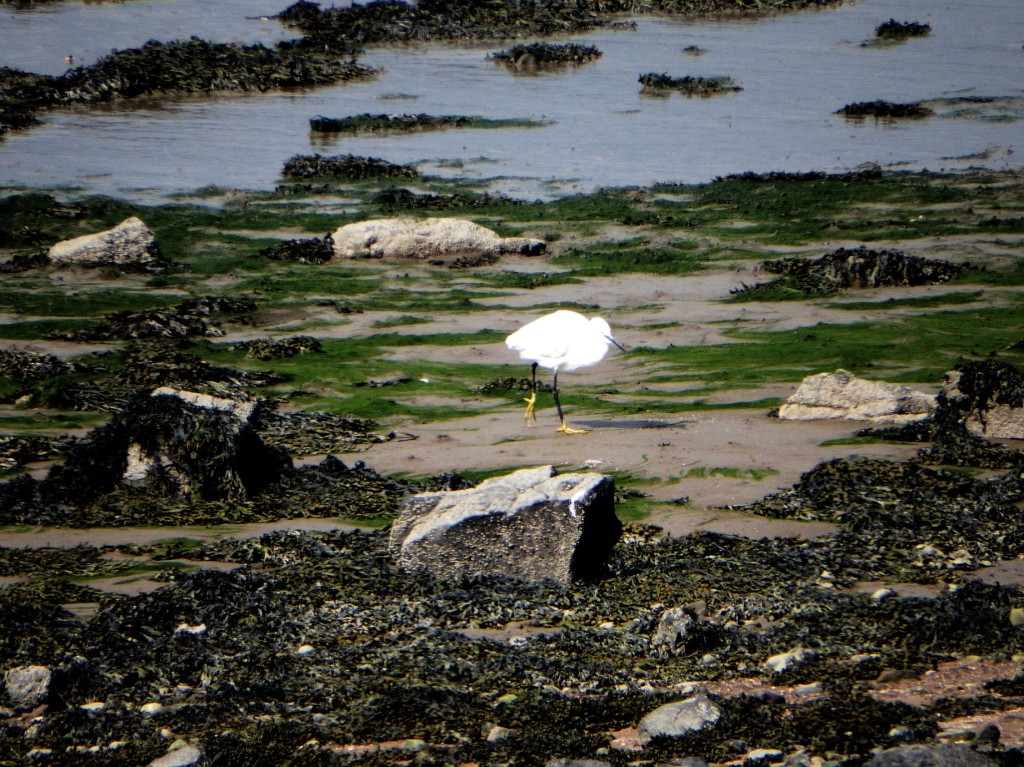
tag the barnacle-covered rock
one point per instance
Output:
(131, 244)
(28, 686)
(674, 719)
(843, 395)
(531, 524)
(432, 239)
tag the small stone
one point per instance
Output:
(414, 745)
(1017, 616)
(890, 675)
(496, 734)
(956, 736)
(808, 689)
(180, 754)
(96, 705)
(184, 628)
(305, 649)
(28, 686)
(769, 754)
(779, 663)
(151, 709)
(40, 753)
(882, 594)
(673, 719)
(987, 738)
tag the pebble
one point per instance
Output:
(779, 663)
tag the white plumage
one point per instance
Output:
(562, 340)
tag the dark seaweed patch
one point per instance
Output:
(901, 30)
(268, 349)
(887, 109)
(546, 54)
(688, 85)
(348, 167)
(853, 268)
(397, 198)
(197, 317)
(309, 251)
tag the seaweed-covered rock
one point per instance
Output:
(432, 239)
(858, 268)
(172, 446)
(130, 244)
(688, 85)
(303, 432)
(843, 395)
(531, 524)
(988, 397)
(309, 251)
(900, 30)
(267, 349)
(880, 108)
(531, 56)
(347, 167)
(400, 198)
(191, 318)
(192, 444)
(200, 66)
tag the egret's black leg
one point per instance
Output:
(565, 428)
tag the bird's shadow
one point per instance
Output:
(643, 423)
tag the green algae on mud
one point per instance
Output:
(316, 643)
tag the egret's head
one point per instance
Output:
(602, 327)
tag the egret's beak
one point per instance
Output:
(621, 347)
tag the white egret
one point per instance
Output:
(562, 340)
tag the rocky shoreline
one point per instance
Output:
(212, 369)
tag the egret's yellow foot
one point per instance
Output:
(531, 403)
(567, 429)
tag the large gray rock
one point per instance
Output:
(531, 524)
(28, 686)
(675, 719)
(130, 243)
(946, 755)
(431, 239)
(842, 395)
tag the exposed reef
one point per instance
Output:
(689, 86)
